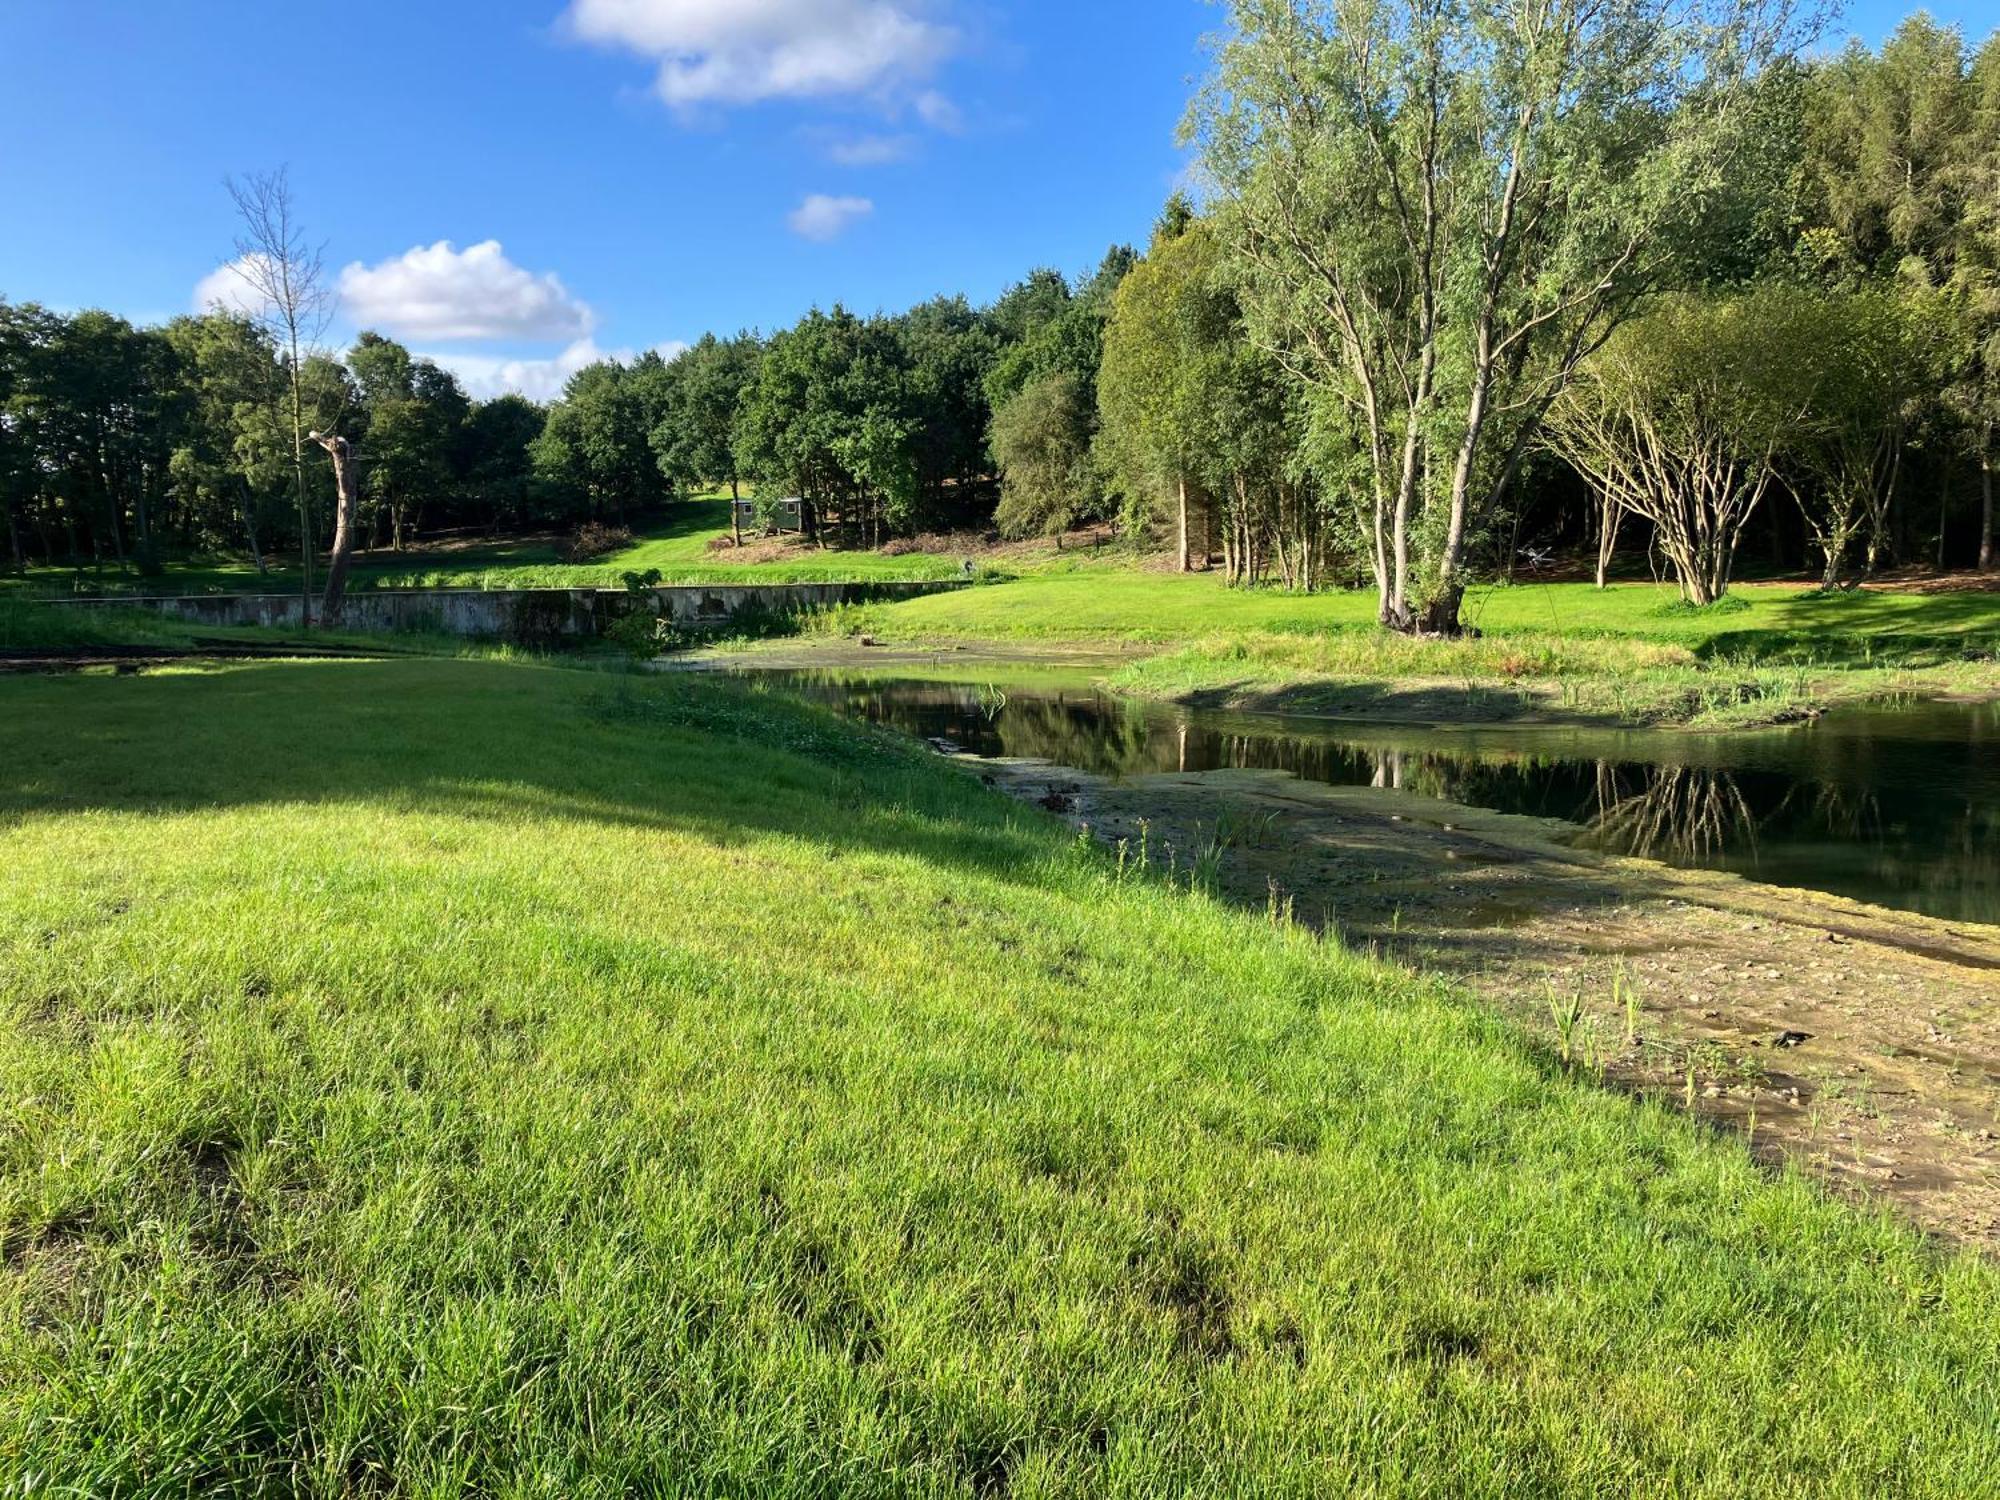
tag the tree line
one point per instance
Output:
(129, 445)
(1467, 278)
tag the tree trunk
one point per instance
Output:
(1986, 502)
(1944, 513)
(299, 484)
(347, 499)
(735, 514)
(1185, 565)
(1879, 511)
(250, 529)
(1611, 515)
(1440, 615)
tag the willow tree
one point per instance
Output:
(1440, 208)
(1680, 418)
(1874, 357)
(1041, 443)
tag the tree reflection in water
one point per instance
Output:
(1685, 814)
(1896, 805)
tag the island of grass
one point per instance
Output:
(439, 1077)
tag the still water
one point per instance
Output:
(1898, 805)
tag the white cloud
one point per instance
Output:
(871, 150)
(722, 52)
(823, 217)
(485, 376)
(939, 112)
(440, 292)
(227, 288)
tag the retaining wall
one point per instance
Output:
(523, 616)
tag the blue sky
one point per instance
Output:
(649, 169)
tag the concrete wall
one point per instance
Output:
(530, 617)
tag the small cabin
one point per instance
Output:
(785, 515)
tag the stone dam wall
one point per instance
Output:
(527, 617)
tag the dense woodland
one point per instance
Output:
(1621, 281)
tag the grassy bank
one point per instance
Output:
(28, 626)
(440, 1077)
(677, 548)
(1628, 654)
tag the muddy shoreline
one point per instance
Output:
(1861, 1043)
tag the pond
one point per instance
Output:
(1895, 804)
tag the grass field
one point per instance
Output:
(1167, 608)
(677, 547)
(436, 1078)
(1630, 653)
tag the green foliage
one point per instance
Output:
(414, 415)
(1682, 416)
(640, 633)
(1435, 212)
(693, 440)
(596, 441)
(1171, 333)
(1042, 443)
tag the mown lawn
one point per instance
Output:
(1162, 608)
(441, 1078)
(677, 547)
(1628, 654)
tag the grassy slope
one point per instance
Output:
(678, 548)
(1628, 652)
(451, 1077)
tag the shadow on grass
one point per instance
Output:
(1865, 628)
(721, 760)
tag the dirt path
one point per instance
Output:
(1863, 1043)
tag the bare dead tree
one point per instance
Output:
(346, 506)
(285, 276)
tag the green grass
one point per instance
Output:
(677, 547)
(1167, 608)
(27, 625)
(1626, 654)
(441, 1078)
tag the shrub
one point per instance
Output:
(640, 633)
(595, 539)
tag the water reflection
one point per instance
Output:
(1897, 805)
(1682, 814)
